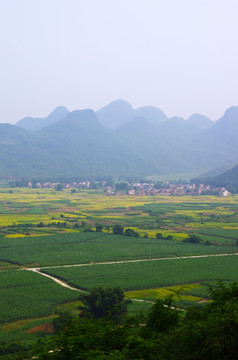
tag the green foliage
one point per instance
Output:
(122, 186)
(59, 187)
(131, 232)
(162, 316)
(207, 333)
(159, 236)
(104, 302)
(215, 334)
(15, 350)
(99, 227)
(61, 321)
(221, 293)
(194, 239)
(118, 230)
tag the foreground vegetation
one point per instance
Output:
(103, 332)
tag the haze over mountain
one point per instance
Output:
(119, 112)
(200, 121)
(117, 141)
(30, 123)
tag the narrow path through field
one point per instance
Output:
(58, 281)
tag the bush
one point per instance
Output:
(131, 232)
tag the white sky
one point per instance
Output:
(178, 55)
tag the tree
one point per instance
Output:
(104, 302)
(131, 232)
(212, 332)
(162, 316)
(122, 186)
(194, 239)
(107, 227)
(59, 187)
(99, 227)
(159, 236)
(118, 230)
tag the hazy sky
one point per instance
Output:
(178, 55)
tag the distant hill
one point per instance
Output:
(174, 123)
(227, 125)
(200, 121)
(77, 146)
(217, 171)
(92, 149)
(152, 114)
(229, 180)
(115, 114)
(117, 141)
(224, 134)
(33, 124)
(119, 112)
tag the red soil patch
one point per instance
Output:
(47, 327)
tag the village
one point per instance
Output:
(138, 188)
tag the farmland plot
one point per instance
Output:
(25, 294)
(77, 248)
(148, 274)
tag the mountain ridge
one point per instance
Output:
(78, 143)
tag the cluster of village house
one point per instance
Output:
(170, 189)
(141, 189)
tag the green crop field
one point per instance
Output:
(25, 294)
(77, 248)
(148, 274)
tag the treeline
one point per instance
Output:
(103, 331)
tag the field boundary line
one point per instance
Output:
(38, 269)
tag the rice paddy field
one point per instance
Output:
(55, 230)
